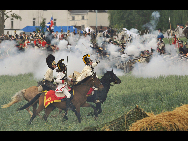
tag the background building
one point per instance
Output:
(82, 19)
(34, 18)
(78, 18)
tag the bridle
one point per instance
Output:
(98, 85)
(93, 82)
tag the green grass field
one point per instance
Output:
(151, 94)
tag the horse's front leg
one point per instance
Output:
(78, 113)
(48, 110)
(92, 106)
(98, 107)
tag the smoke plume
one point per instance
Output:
(153, 22)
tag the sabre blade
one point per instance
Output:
(66, 67)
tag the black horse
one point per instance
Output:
(108, 77)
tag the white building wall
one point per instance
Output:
(61, 17)
(89, 19)
(78, 21)
(102, 19)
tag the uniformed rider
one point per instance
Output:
(88, 70)
(62, 85)
(48, 79)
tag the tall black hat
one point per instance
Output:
(50, 61)
(61, 66)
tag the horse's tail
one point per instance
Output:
(30, 102)
(16, 98)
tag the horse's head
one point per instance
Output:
(112, 77)
(96, 82)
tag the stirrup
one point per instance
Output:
(97, 101)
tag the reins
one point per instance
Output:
(83, 83)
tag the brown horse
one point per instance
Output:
(78, 100)
(185, 32)
(27, 94)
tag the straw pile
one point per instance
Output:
(114, 125)
(176, 120)
(122, 123)
(134, 115)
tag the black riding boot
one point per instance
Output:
(96, 96)
(67, 104)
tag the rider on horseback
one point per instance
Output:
(62, 85)
(88, 71)
(48, 79)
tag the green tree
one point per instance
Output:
(3, 16)
(137, 18)
(42, 26)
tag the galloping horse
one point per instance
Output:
(108, 77)
(78, 100)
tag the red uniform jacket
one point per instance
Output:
(43, 43)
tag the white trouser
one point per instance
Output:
(66, 92)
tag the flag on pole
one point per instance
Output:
(50, 23)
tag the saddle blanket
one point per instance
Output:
(90, 91)
(51, 97)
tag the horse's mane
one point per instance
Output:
(105, 75)
(82, 81)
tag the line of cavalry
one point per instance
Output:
(77, 93)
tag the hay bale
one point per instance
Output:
(117, 124)
(134, 115)
(176, 120)
(114, 125)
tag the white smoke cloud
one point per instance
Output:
(162, 65)
(137, 45)
(34, 60)
(153, 22)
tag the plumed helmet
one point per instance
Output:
(86, 60)
(50, 61)
(60, 65)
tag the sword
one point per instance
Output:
(73, 75)
(66, 67)
(73, 85)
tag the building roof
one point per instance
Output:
(78, 11)
(86, 11)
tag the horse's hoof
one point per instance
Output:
(95, 118)
(53, 116)
(90, 114)
(65, 118)
(29, 123)
(100, 111)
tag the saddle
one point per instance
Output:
(51, 97)
(76, 75)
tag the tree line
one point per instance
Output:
(137, 18)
